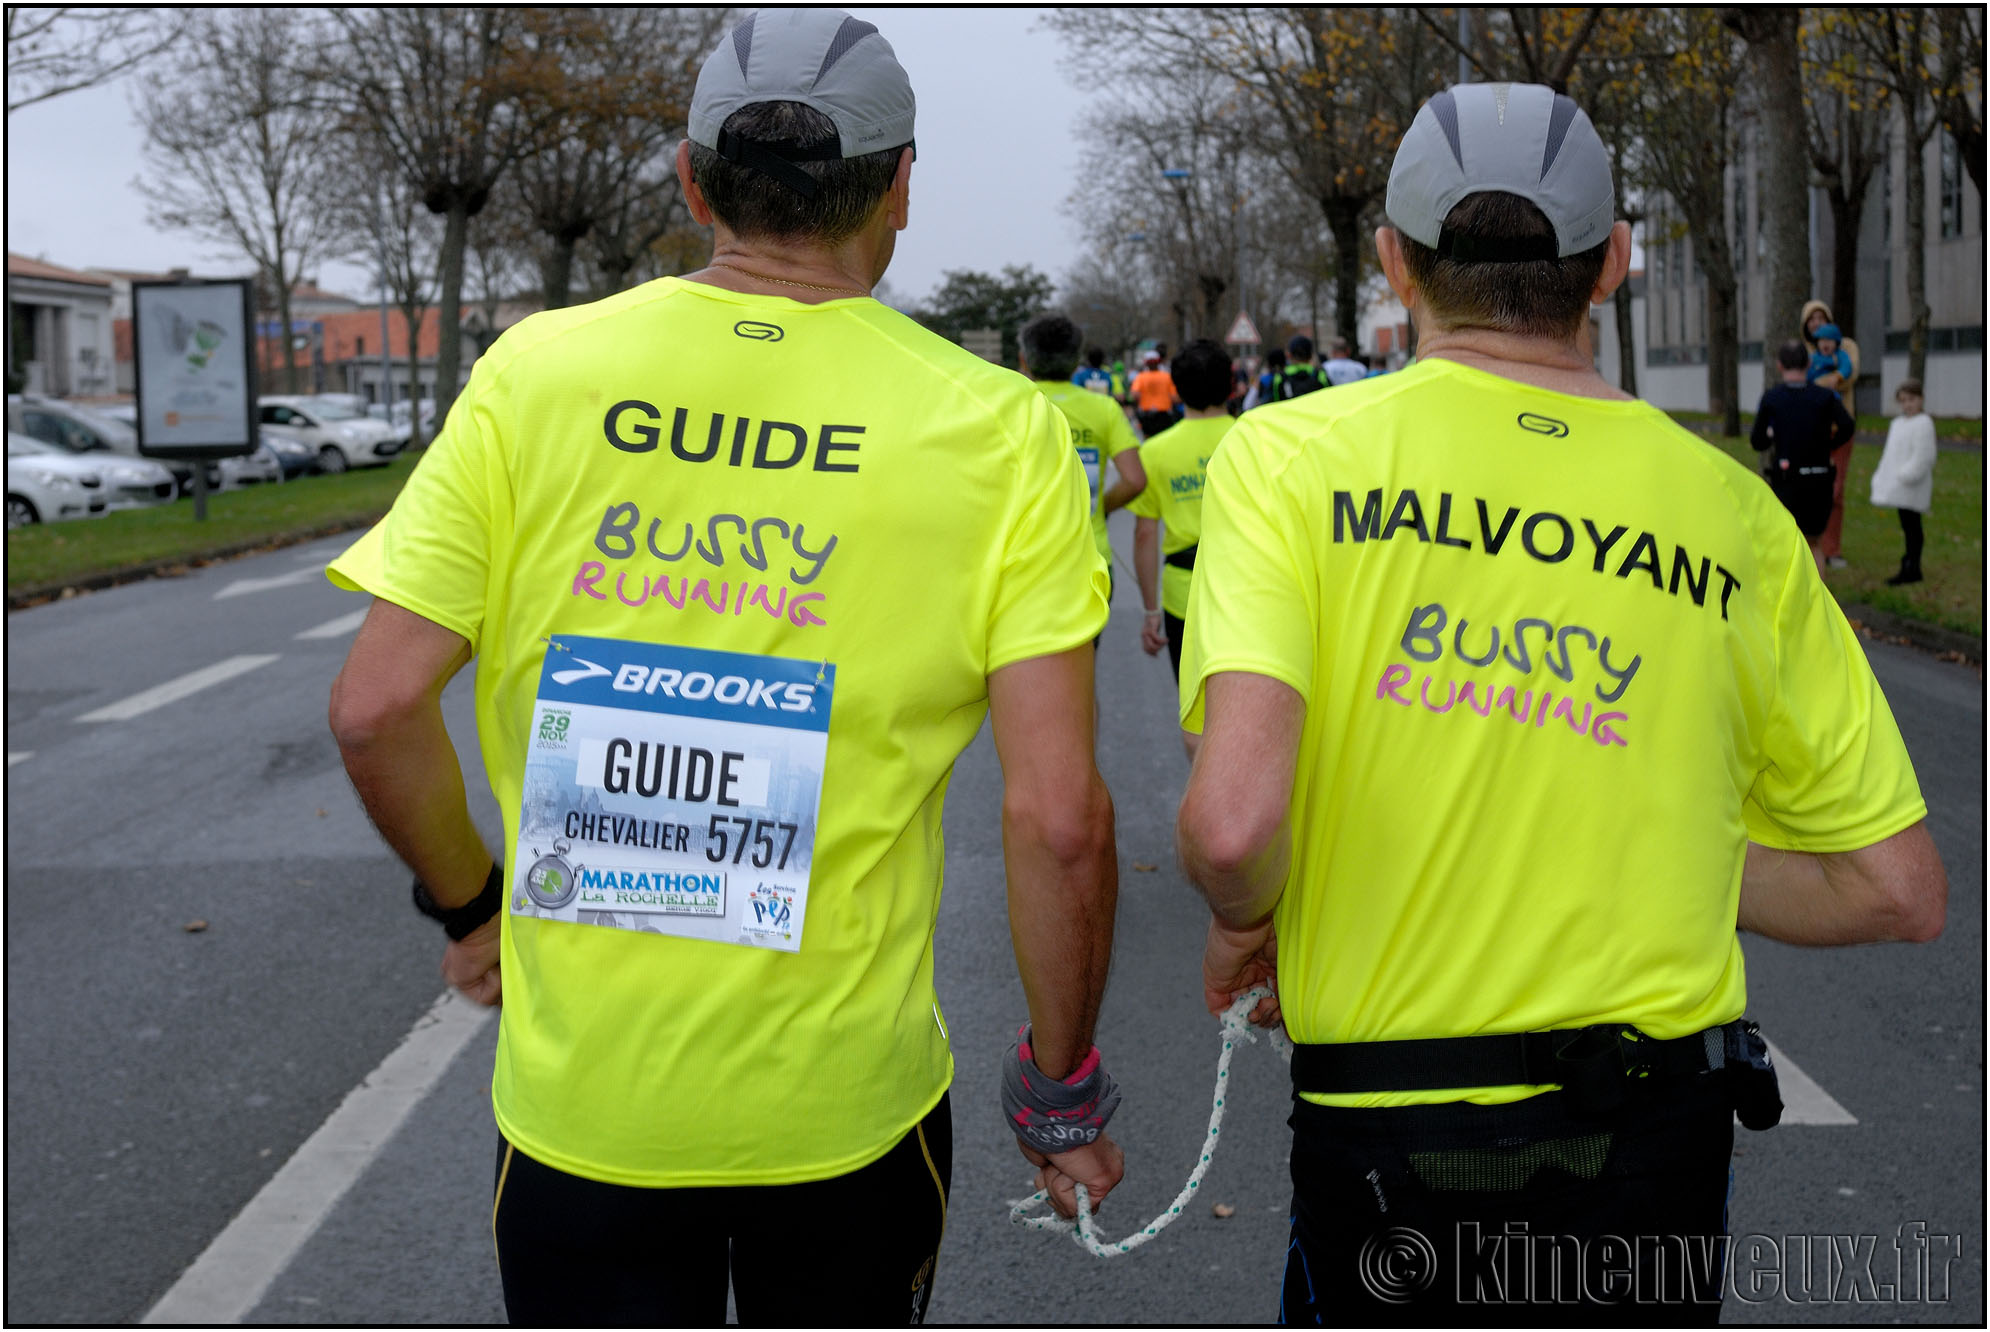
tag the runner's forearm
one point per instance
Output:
(1147, 561)
(1063, 873)
(1893, 891)
(411, 784)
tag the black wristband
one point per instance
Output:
(459, 922)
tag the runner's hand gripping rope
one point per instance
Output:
(1235, 1026)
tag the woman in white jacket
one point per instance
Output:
(1905, 479)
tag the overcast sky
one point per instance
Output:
(997, 156)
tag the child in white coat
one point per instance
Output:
(1905, 479)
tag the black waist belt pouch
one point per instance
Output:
(1598, 1067)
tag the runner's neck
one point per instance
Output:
(810, 276)
(1561, 367)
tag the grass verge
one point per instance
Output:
(49, 556)
(1958, 428)
(1952, 562)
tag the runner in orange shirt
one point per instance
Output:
(1154, 397)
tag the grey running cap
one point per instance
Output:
(823, 58)
(1520, 138)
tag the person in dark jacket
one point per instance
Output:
(1799, 425)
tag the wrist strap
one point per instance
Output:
(1049, 1115)
(459, 922)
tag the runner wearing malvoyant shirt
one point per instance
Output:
(679, 530)
(1516, 700)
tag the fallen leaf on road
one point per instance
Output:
(1144, 869)
(195, 926)
(1224, 1209)
(321, 813)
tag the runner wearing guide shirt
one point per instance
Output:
(678, 530)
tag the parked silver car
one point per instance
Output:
(130, 482)
(342, 437)
(46, 484)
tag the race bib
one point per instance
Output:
(672, 790)
(1094, 468)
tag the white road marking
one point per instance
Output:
(16, 756)
(242, 586)
(338, 628)
(234, 1273)
(174, 690)
(1804, 1102)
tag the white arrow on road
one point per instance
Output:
(244, 586)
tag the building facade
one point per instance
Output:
(1673, 322)
(58, 331)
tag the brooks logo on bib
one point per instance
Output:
(673, 790)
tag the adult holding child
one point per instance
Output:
(1816, 317)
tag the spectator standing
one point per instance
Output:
(1342, 367)
(1517, 1009)
(1905, 478)
(1800, 424)
(1815, 317)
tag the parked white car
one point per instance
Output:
(343, 437)
(403, 417)
(130, 482)
(87, 430)
(46, 485)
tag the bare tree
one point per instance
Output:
(1959, 83)
(611, 96)
(1776, 80)
(62, 50)
(1690, 67)
(237, 154)
(439, 89)
(1897, 44)
(1849, 119)
(1336, 87)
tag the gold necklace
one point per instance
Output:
(812, 286)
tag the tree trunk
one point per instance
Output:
(1771, 32)
(1917, 252)
(1344, 221)
(413, 319)
(556, 267)
(1723, 348)
(289, 347)
(1845, 210)
(449, 349)
(1627, 341)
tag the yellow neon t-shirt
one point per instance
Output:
(686, 465)
(1176, 461)
(1561, 661)
(1099, 433)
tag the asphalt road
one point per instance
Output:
(158, 1077)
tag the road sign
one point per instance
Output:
(1243, 332)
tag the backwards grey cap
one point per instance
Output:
(1520, 138)
(822, 58)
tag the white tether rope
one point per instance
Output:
(1236, 1023)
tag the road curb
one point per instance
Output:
(1949, 644)
(23, 598)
